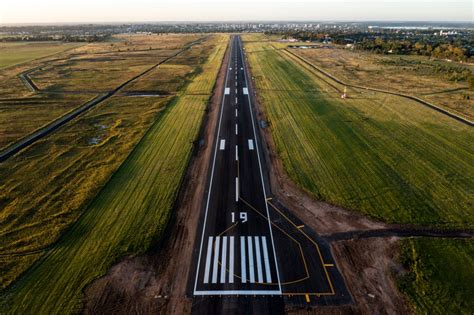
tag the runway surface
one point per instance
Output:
(251, 254)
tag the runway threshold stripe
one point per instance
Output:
(231, 259)
(266, 260)
(208, 259)
(243, 261)
(216, 259)
(222, 146)
(259, 259)
(224, 259)
(251, 263)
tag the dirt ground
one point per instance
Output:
(156, 283)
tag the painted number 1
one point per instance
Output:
(242, 216)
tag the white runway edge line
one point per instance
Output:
(222, 145)
(261, 177)
(196, 292)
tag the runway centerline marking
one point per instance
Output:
(236, 189)
(236, 153)
(250, 141)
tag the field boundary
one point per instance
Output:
(408, 96)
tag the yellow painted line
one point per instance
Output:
(300, 226)
(269, 198)
(307, 298)
(328, 265)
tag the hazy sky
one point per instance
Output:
(54, 11)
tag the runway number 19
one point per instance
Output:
(242, 216)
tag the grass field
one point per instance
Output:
(441, 275)
(88, 69)
(384, 156)
(442, 83)
(138, 197)
(18, 52)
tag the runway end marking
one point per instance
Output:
(307, 298)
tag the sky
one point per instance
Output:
(63, 11)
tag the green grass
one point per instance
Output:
(384, 156)
(440, 278)
(127, 216)
(19, 52)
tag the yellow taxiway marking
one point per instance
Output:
(307, 298)
(300, 226)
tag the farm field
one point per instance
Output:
(440, 277)
(382, 155)
(443, 83)
(138, 196)
(16, 53)
(69, 79)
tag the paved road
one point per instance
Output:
(251, 254)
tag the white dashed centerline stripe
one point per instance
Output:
(236, 153)
(236, 112)
(259, 260)
(222, 145)
(243, 261)
(224, 259)
(251, 144)
(208, 259)
(231, 259)
(216, 259)
(265, 259)
(251, 266)
(236, 129)
(236, 100)
(236, 189)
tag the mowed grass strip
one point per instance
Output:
(125, 218)
(382, 155)
(440, 278)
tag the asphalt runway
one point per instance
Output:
(251, 254)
